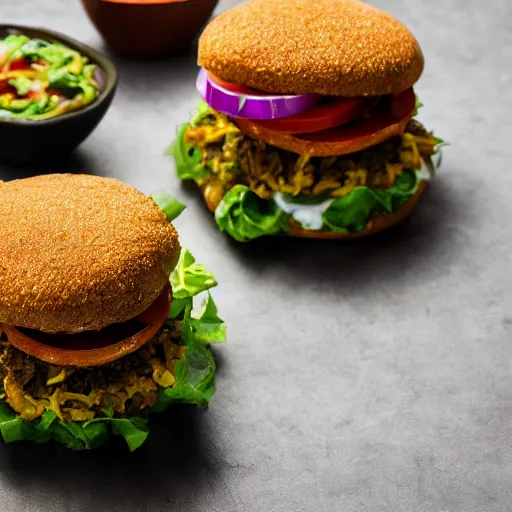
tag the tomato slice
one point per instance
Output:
(378, 126)
(374, 123)
(234, 87)
(20, 65)
(322, 117)
(53, 92)
(6, 88)
(403, 104)
(93, 348)
(34, 95)
(37, 95)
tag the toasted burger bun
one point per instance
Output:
(375, 225)
(329, 47)
(80, 252)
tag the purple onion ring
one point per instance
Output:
(252, 106)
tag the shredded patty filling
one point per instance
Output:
(126, 387)
(233, 158)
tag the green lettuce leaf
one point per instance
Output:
(351, 212)
(187, 157)
(12, 44)
(245, 216)
(188, 279)
(168, 204)
(22, 85)
(134, 430)
(78, 436)
(440, 143)
(208, 327)
(194, 375)
(203, 109)
(56, 54)
(417, 106)
(62, 79)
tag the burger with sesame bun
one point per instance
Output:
(98, 326)
(307, 122)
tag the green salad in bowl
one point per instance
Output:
(41, 79)
(54, 90)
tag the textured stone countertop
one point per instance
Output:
(371, 376)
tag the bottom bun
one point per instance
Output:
(375, 225)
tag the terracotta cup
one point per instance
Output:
(148, 27)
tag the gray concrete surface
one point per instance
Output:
(372, 376)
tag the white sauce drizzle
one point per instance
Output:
(425, 174)
(309, 216)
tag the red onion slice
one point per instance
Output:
(249, 106)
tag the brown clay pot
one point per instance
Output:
(148, 27)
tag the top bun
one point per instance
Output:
(329, 47)
(80, 252)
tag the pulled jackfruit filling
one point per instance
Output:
(126, 387)
(233, 158)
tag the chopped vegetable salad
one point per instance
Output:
(41, 80)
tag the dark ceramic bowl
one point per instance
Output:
(38, 142)
(148, 27)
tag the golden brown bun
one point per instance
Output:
(80, 252)
(330, 47)
(375, 225)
